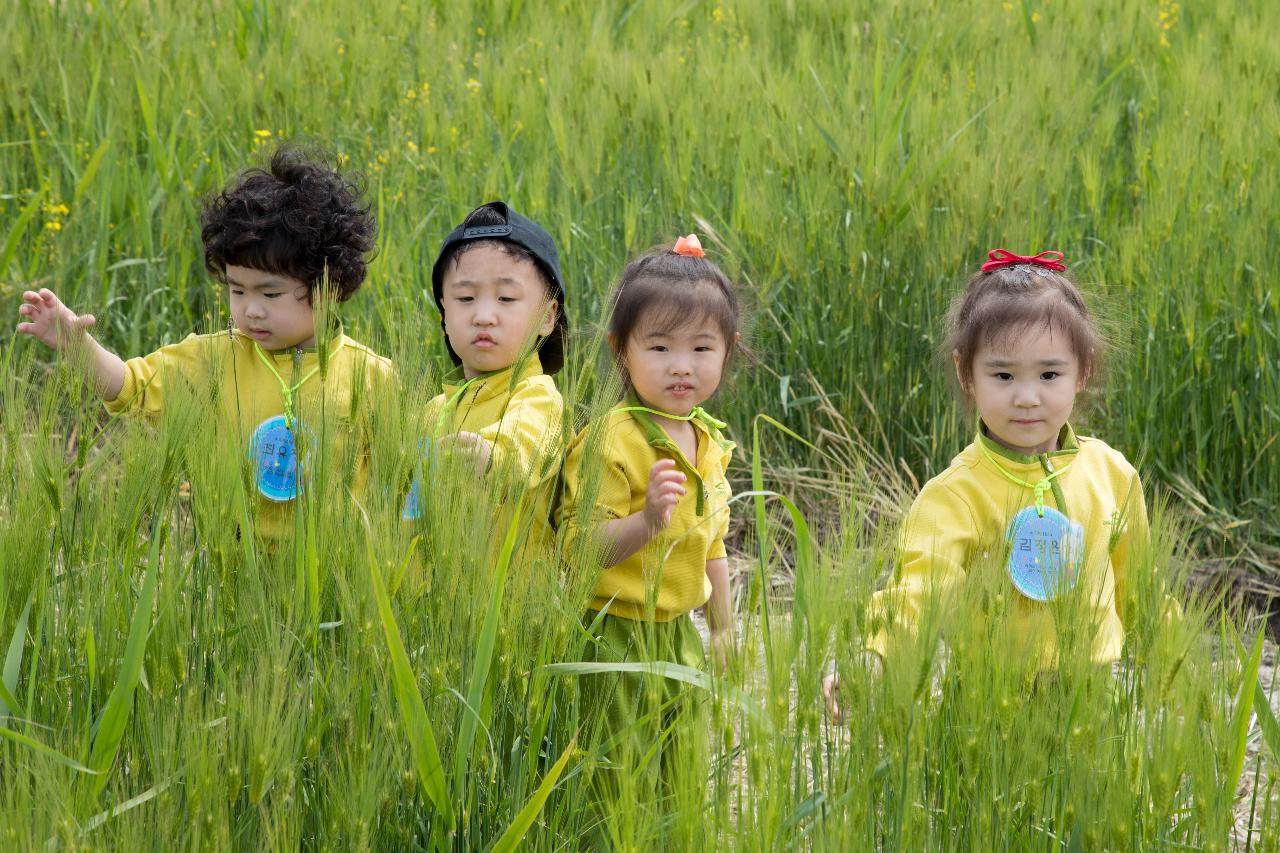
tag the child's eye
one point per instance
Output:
(1004, 377)
(237, 292)
(703, 348)
(507, 299)
(1050, 375)
(463, 299)
(658, 348)
(271, 295)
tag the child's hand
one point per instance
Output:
(831, 683)
(51, 322)
(664, 492)
(469, 444)
(831, 694)
(722, 648)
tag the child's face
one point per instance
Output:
(272, 309)
(493, 304)
(673, 370)
(1024, 388)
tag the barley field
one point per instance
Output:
(168, 684)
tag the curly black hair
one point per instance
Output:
(297, 217)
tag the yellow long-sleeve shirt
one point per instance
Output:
(520, 412)
(606, 477)
(960, 524)
(225, 369)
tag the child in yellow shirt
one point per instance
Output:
(1057, 515)
(498, 286)
(646, 498)
(274, 237)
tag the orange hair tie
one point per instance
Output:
(689, 247)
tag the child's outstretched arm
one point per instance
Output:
(622, 537)
(57, 326)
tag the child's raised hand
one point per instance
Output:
(51, 322)
(469, 444)
(664, 492)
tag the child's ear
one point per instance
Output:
(964, 385)
(552, 311)
(1084, 377)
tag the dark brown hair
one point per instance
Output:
(667, 292)
(297, 217)
(998, 304)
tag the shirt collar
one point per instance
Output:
(1067, 446)
(486, 386)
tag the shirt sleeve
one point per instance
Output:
(935, 544)
(596, 486)
(147, 377)
(526, 440)
(716, 550)
(1132, 539)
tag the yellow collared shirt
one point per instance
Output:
(607, 477)
(519, 411)
(225, 369)
(959, 523)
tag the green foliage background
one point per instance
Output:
(854, 160)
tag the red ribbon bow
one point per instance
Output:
(1005, 258)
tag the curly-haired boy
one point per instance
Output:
(277, 237)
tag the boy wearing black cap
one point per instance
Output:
(498, 286)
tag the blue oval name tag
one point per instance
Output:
(274, 454)
(413, 503)
(1045, 553)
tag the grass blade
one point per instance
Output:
(90, 170)
(1244, 712)
(413, 711)
(37, 746)
(1267, 721)
(13, 662)
(514, 834)
(666, 669)
(119, 707)
(131, 803)
(484, 655)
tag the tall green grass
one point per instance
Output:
(374, 685)
(169, 682)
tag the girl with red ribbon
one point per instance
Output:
(1044, 521)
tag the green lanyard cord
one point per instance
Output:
(1039, 487)
(698, 414)
(450, 403)
(285, 391)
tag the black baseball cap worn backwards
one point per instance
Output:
(528, 235)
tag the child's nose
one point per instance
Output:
(255, 309)
(484, 315)
(1026, 396)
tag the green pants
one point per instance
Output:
(649, 731)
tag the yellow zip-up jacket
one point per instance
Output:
(520, 411)
(606, 477)
(224, 368)
(959, 524)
